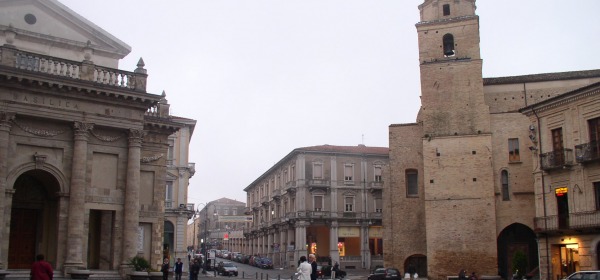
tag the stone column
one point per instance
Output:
(131, 215)
(5, 125)
(75, 222)
(364, 247)
(334, 253)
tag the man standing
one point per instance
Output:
(313, 263)
(178, 269)
(165, 269)
(41, 270)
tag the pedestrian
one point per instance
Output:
(165, 269)
(462, 274)
(313, 263)
(304, 269)
(41, 269)
(194, 269)
(473, 276)
(189, 258)
(178, 269)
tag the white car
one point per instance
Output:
(584, 275)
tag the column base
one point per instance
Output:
(69, 267)
(125, 270)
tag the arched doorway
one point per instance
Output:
(169, 240)
(416, 264)
(33, 222)
(513, 240)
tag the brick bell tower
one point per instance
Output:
(457, 144)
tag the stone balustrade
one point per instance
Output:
(85, 70)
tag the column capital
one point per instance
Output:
(6, 119)
(82, 129)
(136, 136)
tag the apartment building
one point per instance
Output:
(325, 200)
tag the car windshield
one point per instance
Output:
(379, 271)
(228, 265)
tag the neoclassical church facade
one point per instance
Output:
(470, 184)
(84, 148)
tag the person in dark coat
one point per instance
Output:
(165, 269)
(178, 269)
(313, 262)
(41, 269)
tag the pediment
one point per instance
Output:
(51, 28)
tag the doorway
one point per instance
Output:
(33, 219)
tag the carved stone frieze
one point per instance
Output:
(151, 159)
(105, 138)
(37, 131)
(39, 160)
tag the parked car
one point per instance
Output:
(227, 269)
(582, 275)
(263, 263)
(388, 273)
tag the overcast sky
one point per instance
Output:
(263, 77)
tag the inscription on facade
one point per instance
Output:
(47, 101)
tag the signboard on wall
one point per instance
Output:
(234, 219)
(349, 232)
(140, 243)
(375, 232)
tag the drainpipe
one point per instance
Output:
(543, 194)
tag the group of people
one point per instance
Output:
(307, 268)
(462, 275)
(166, 267)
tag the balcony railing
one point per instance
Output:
(85, 70)
(319, 183)
(557, 159)
(587, 152)
(576, 221)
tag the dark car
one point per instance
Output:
(388, 273)
(227, 269)
(263, 263)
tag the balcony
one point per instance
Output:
(573, 221)
(587, 152)
(74, 70)
(557, 159)
(318, 184)
(276, 194)
(265, 200)
(290, 187)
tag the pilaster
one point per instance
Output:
(5, 126)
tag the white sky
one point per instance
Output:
(263, 77)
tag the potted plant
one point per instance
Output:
(140, 268)
(519, 264)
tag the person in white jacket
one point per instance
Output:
(304, 269)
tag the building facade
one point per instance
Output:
(464, 168)
(82, 145)
(567, 180)
(177, 210)
(325, 200)
(219, 225)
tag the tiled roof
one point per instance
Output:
(360, 149)
(543, 77)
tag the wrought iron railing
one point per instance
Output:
(557, 159)
(587, 152)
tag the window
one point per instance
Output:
(448, 41)
(293, 173)
(169, 191)
(412, 186)
(377, 172)
(234, 211)
(318, 202)
(348, 172)
(317, 170)
(513, 150)
(349, 204)
(505, 190)
(225, 211)
(171, 149)
(597, 194)
(594, 128)
(557, 146)
(446, 8)
(378, 205)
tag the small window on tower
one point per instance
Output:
(448, 41)
(446, 9)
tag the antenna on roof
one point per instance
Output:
(363, 139)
